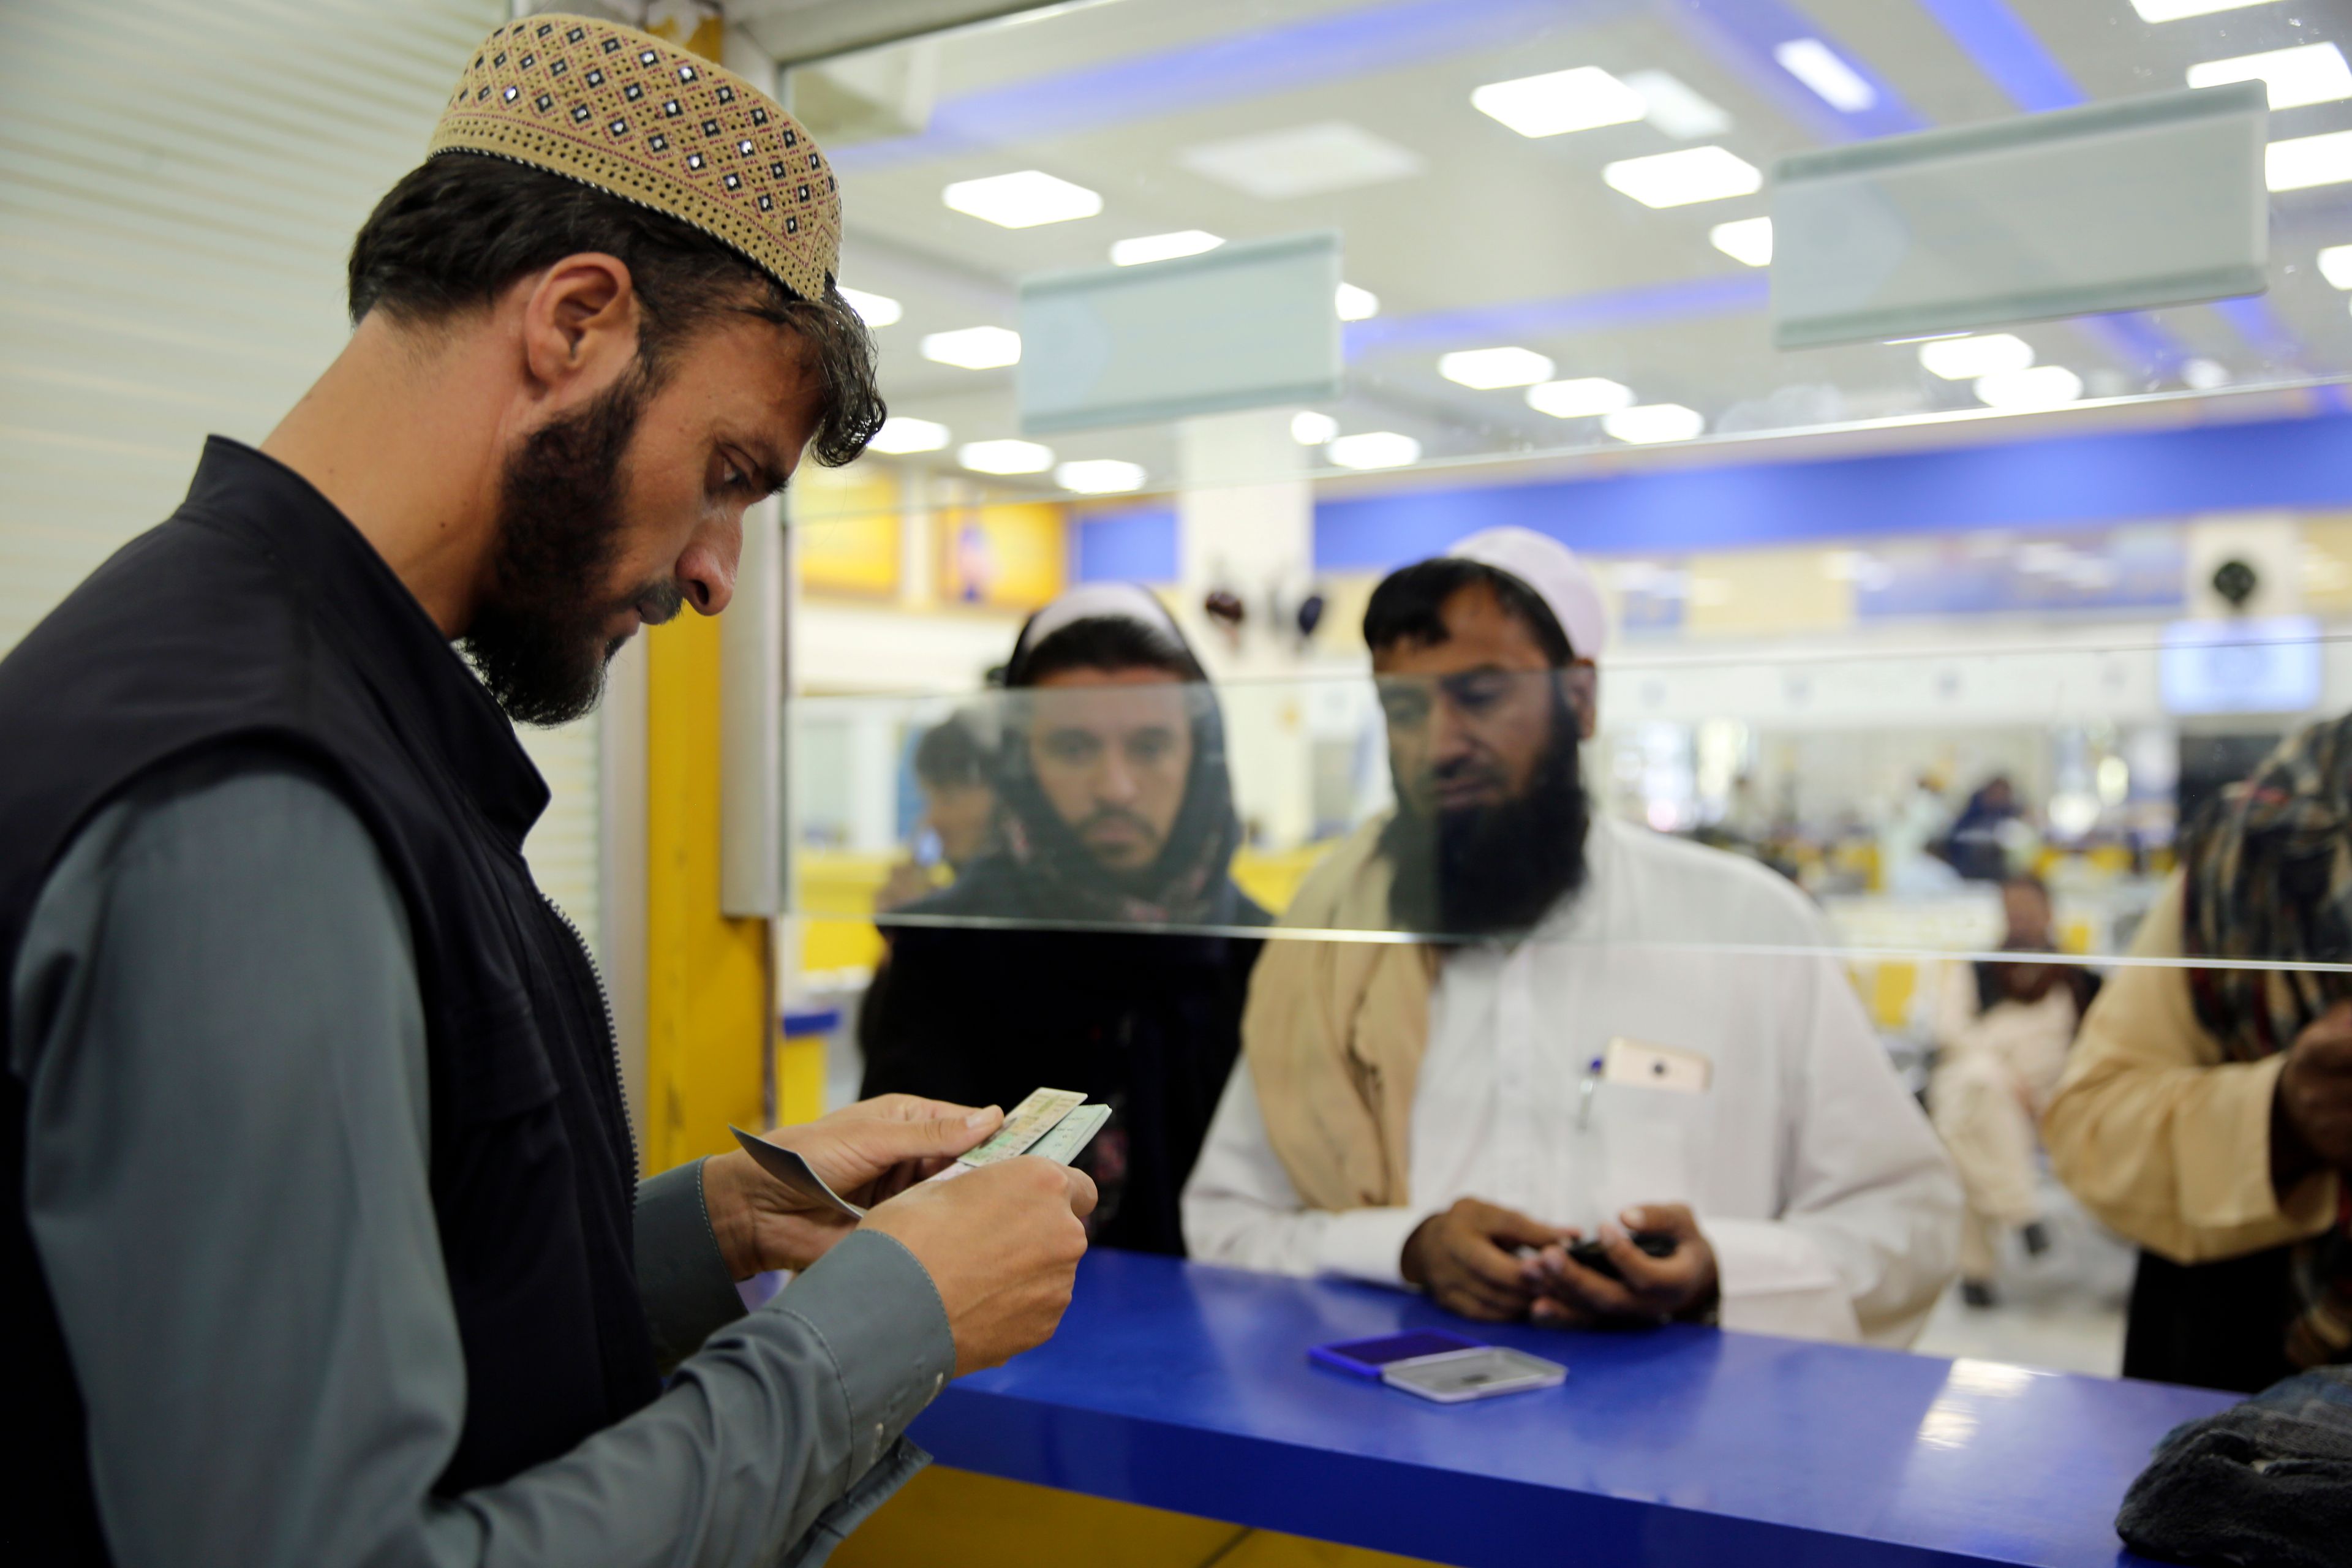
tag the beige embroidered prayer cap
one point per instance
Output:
(656, 124)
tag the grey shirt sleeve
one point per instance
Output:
(216, 1016)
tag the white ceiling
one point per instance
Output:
(1110, 95)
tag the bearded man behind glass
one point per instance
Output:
(1606, 1033)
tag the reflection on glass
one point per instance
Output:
(1452, 806)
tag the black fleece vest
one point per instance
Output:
(258, 616)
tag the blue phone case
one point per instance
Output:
(1369, 1358)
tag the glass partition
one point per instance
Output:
(1897, 787)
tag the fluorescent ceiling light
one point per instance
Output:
(901, 433)
(974, 348)
(1005, 456)
(1747, 239)
(2308, 73)
(2044, 386)
(1309, 428)
(1654, 422)
(2336, 265)
(2303, 162)
(1965, 359)
(1677, 179)
(1485, 369)
(1560, 101)
(1099, 475)
(875, 310)
(1373, 449)
(1163, 246)
(1023, 200)
(1677, 110)
(1818, 66)
(2174, 10)
(1582, 398)
(1356, 304)
(1302, 161)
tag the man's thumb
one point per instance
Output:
(954, 1134)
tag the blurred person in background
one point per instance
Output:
(2207, 1111)
(1116, 810)
(1435, 1115)
(952, 770)
(1977, 846)
(2002, 1032)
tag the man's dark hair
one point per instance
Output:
(1104, 642)
(1409, 606)
(461, 226)
(950, 755)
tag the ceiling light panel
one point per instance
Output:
(1747, 241)
(2303, 162)
(1023, 200)
(1356, 304)
(1309, 428)
(1485, 369)
(1374, 449)
(874, 309)
(1099, 475)
(1965, 359)
(1654, 422)
(974, 348)
(2309, 73)
(1678, 179)
(1147, 249)
(1585, 397)
(1560, 101)
(902, 434)
(1005, 456)
(1820, 67)
(1675, 108)
(2044, 386)
(2174, 10)
(2336, 265)
(1303, 161)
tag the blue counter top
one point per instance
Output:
(1180, 1386)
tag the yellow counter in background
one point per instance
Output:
(955, 1517)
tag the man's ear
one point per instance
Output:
(579, 322)
(1581, 682)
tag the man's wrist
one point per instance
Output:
(727, 1202)
(2293, 1160)
(1409, 1259)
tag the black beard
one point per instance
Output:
(538, 639)
(1494, 870)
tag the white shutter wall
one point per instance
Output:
(180, 182)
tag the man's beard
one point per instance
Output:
(538, 638)
(1493, 870)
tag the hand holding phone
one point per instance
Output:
(1669, 1272)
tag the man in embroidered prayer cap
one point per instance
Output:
(325, 1241)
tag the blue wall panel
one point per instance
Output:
(1124, 547)
(2055, 482)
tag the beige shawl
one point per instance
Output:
(1334, 1032)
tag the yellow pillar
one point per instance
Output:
(710, 1018)
(708, 1022)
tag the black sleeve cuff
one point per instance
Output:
(682, 1278)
